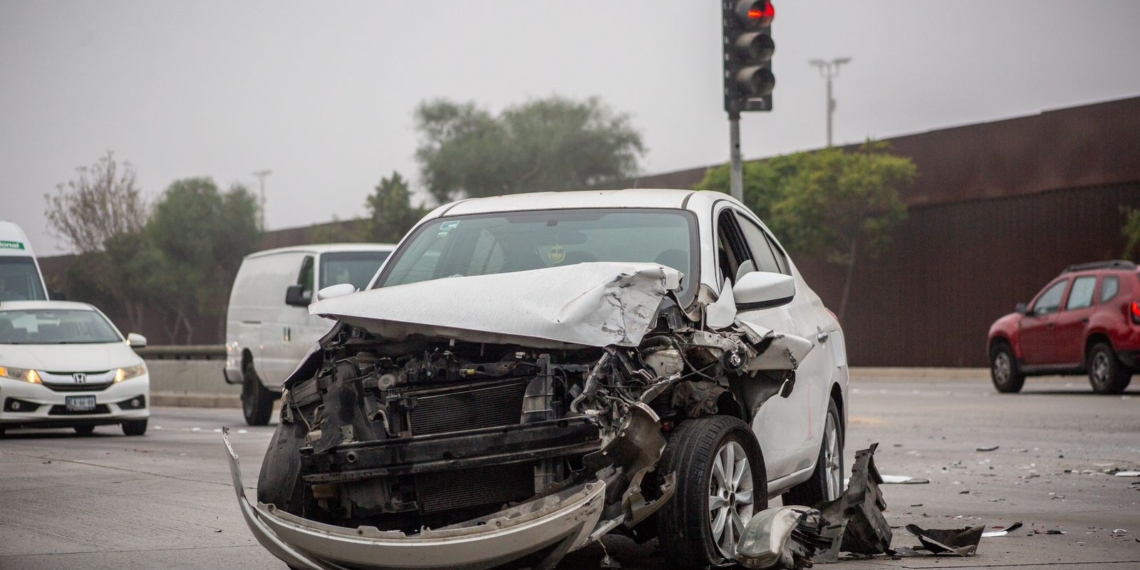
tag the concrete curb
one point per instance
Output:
(181, 400)
(862, 373)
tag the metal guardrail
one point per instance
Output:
(186, 352)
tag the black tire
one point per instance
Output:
(1107, 374)
(134, 427)
(84, 430)
(1004, 372)
(685, 523)
(819, 487)
(256, 400)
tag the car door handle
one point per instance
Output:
(1085, 321)
(1049, 326)
(821, 337)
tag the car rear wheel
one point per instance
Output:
(256, 401)
(84, 430)
(134, 427)
(721, 483)
(1106, 373)
(1003, 369)
(826, 482)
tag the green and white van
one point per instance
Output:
(20, 276)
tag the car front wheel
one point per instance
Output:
(1003, 369)
(134, 427)
(721, 483)
(1106, 374)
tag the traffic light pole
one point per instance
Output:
(736, 177)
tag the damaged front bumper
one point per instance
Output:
(548, 527)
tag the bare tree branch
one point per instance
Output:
(103, 202)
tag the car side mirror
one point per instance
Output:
(135, 340)
(1022, 309)
(295, 296)
(761, 289)
(57, 295)
(338, 290)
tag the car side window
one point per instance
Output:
(1050, 300)
(765, 254)
(1109, 287)
(732, 250)
(305, 277)
(1081, 297)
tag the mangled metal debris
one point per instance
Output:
(861, 508)
(954, 542)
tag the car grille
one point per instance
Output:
(492, 485)
(78, 387)
(479, 407)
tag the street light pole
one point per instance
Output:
(829, 70)
(261, 174)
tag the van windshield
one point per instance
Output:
(54, 326)
(356, 267)
(19, 280)
(518, 241)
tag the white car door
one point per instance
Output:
(788, 428)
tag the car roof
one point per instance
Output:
(33, 305)
(630, 198)
(326, 248)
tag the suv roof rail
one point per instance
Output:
(1114, 264)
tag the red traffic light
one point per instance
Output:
(765, 15)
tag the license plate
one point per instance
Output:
(80, 403)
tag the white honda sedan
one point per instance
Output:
(528, 373)
(64, 364)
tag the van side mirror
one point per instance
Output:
(761, 289)
(1022, 309)
(57, 295)
(295, 296)
(135, 340)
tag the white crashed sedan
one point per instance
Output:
(528, 373)
(64, 364)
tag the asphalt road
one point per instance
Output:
(165, 500)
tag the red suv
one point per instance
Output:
(1087, 320)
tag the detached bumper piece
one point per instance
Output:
(545, 528)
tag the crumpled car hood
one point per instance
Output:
(588, 304)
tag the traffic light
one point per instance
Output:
(748, 48)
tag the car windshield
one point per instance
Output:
(506, 242)
(19, 280)
(356, 267)
(54, 326)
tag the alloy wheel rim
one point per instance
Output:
(1100, 368)
(1002, 367)
(832, 457)
(731, 500)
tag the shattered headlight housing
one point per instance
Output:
(25, 374)
(130, 372)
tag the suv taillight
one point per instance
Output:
(1134, 309)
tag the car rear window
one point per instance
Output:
(1109, 288)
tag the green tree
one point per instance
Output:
(830, 203)
(390, 211)
(541, 145)
(196, 240)
(1131, 233)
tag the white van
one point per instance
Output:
(20, 276)
(268, 325)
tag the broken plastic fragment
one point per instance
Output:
(990, 448)
(903, 480)
(785, 537)
(1128, 473)
(953, 542)
(1002, 532)
(860, 508)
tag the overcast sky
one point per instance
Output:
(323, 93)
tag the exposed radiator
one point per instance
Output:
(479, 407)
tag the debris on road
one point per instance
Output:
(903, 480)
(1128, 473)
(1002, 531)
(990, 448)
(953, 542)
